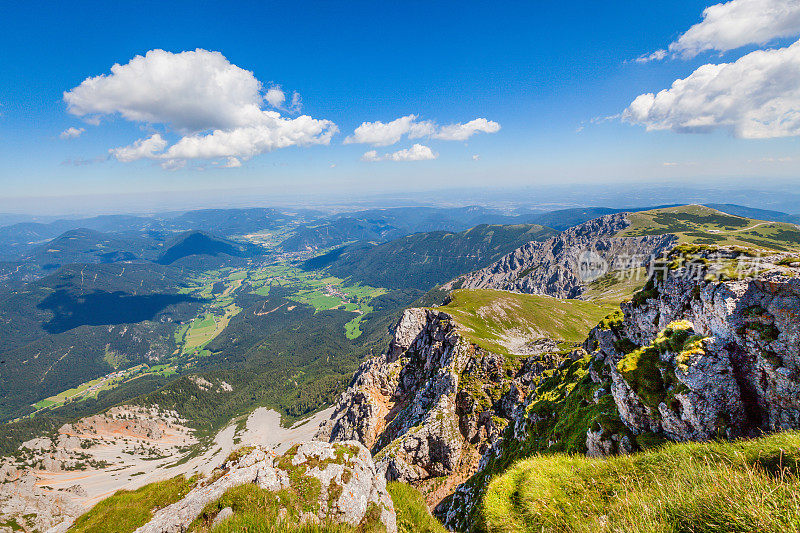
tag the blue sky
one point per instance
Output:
(544, 75)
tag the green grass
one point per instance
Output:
(44, 404)
(697, 224)
(615, 286)
(413, 515)
(319, 301)
(497, 320)
(352, 329)
(127, 510)
(203, 330)
(741, 486)
(312, 289)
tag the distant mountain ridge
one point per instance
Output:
(553, 267)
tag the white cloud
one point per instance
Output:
(421, 129)
(476, 157)
(233, 162)
(731, 25)
(371, 156)
(417, 152)
(176, 164)
(275, 96)
(384, 134)
(189, 91)
(71, 133)
(141, 149)
(658, 55)
(462, 132)
(216, 106)
(755, 97)
(272, 133)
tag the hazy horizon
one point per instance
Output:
(776, 195)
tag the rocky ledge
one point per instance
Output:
(337, 483)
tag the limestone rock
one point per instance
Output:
(744, 375)
(346, 466)
(223, 515)
(434, 405)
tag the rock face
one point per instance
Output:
(403, 404)
(432, 405)
(351, 490)
(24, 504)
(562, 265)
(694, 357)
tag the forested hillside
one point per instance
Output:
(424, 260)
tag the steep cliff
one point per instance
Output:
(432, 405)
(562, 265)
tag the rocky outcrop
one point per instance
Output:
(433, 404)
(702, 352)
(403, 404)
(562, 265)
(24, 506)
(349, 489)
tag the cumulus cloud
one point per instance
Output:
(417, 152)
(143, 148)
(272, 133)
(384, 134)
(734, 24)
(216, 107)
(371, 156)
(755, 97)
(462, 132)
(71, 133)
(275, 96)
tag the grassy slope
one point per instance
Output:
(702, 225)
(127, 510)
(614, 287)
(493, 319)
(692, 487)
(693, 224)
(413, 515)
